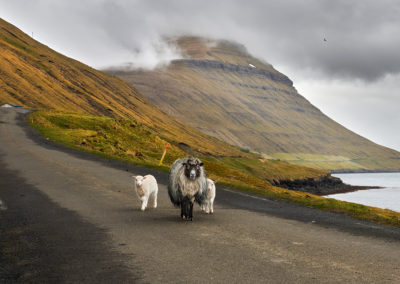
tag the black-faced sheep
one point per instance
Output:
(187, 184)
(208, 205)
(146, 188)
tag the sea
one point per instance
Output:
(387, 197)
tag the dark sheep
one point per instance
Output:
(187, 184)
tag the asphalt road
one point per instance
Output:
(67, 216)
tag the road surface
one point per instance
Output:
(67, 216)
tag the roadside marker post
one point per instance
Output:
(163, 155)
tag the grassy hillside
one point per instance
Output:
(33, 75)
(37, 77)
(91, 111)
(225, 92)
(132, 141)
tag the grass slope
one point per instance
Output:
(216, 90)
(132, 141)
(33, 75)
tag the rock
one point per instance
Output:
(228, 67)
(101, 133)
(325, 185)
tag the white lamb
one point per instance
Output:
(208, 206)
(146, 188)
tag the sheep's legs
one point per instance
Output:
(184, 209)
(191, 211)
(144, 203)
(154, 199)
(207, 207)
(187, 209)
(183, 216)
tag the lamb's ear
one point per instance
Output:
(215, 181)
(201, 164)
(134, 177)
(144, 178)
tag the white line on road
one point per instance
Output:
(247, 195)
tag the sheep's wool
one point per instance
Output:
(180, 186)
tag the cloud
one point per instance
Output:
(361, 35)
(370, 110)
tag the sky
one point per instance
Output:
(343, 56)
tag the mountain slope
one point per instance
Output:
(225, 92)
(90, 110)
(33, 75)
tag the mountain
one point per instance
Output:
(222, 90)
(33, 75)
(96, 112)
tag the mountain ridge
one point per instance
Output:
(225, 92)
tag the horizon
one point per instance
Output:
(353, 81)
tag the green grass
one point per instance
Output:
(326, 162)
(131, 141)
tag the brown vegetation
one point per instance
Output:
(217, 90)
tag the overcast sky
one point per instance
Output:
(353, 76)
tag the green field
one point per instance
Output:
(325, 162)
(335, 163)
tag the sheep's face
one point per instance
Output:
(192, 168)
(138, 180)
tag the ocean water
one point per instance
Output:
(386, 198)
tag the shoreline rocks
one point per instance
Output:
(324, 186)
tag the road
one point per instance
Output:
(67, 216)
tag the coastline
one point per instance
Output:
(385, 197)
(327, 185)
(351, 188)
